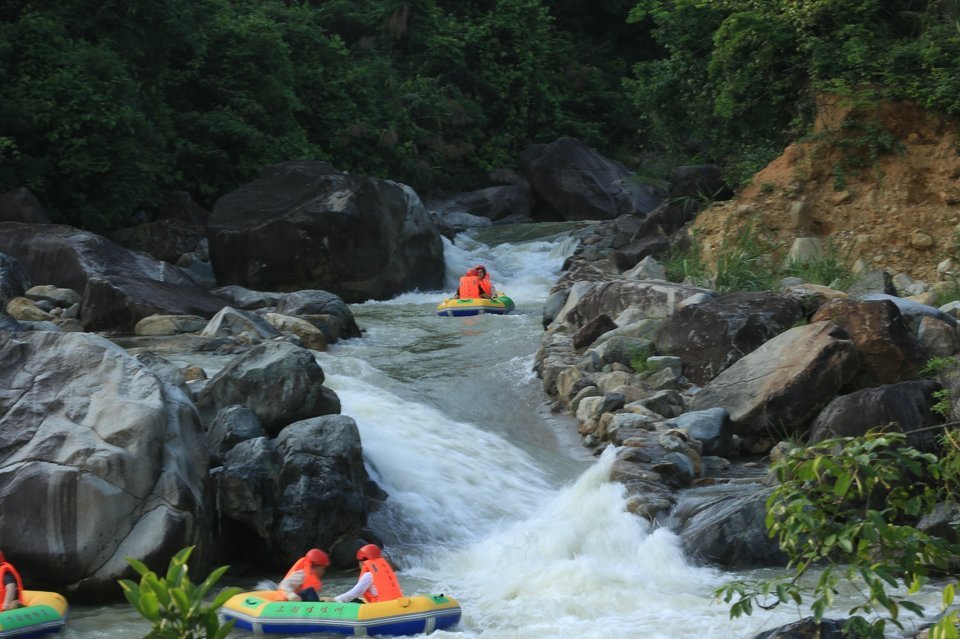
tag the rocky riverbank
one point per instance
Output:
(690, 382)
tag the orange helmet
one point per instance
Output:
(370, 551)
(317, 557)
(480, 267)
(472, 271)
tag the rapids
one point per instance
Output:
(492, 499)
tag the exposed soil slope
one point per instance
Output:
(883, 185)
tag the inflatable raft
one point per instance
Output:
(45, 613)
(260, 613)
(456, 307)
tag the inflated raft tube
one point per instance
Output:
(43, 614)
(261, 613)
(455, 307)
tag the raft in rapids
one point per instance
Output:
(456, 307)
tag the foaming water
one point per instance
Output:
(446, 479)
(524, 271)
(580, 565)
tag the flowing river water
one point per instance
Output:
(491, 498)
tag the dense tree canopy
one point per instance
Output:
(748, 71)
(110, 103)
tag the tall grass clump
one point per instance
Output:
(687, 265)
(829, 269)
(745, 262)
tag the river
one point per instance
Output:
(491, 498)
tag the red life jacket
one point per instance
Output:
(4, 569)
(384, 581)
(469, 287)
(310, 580)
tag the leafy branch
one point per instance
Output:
(174, 605)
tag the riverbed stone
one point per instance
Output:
(729, 532)
(309, 335)
(157, 325)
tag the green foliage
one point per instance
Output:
(111, 104)
(751, 69)
(946, 370)
(174, 605)
(747, 260)
(849, 508)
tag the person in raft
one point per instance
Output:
(377, 580)
(302, 582)
(11, 586)
(469, 286)
(483, 279)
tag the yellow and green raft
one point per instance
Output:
(43, 614)
(260, 613)
(456, 307)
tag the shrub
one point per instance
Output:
(850, 507)
(174, 605)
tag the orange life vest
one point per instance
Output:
(4, 569)
(384, 581)
(486, 286)
(310, 580)
(469, 287)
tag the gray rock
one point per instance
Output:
(232, 425)
(103, 458)
(306, 225)
(281, 383)
(729, 532)
(784, 383)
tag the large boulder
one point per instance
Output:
(118, 303)
(67, 257)
(691, 188)
(20, 205)
(889, 350)
(773, 392)
(304, 489)
(909, 405)
(501, 204)
(281, 383)
(647, 299)
(99, 460)
(709, 337)
(165, 239)
(729, 531)
(577, 183)
(311, 303)
(304, 225)
(120, 286)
